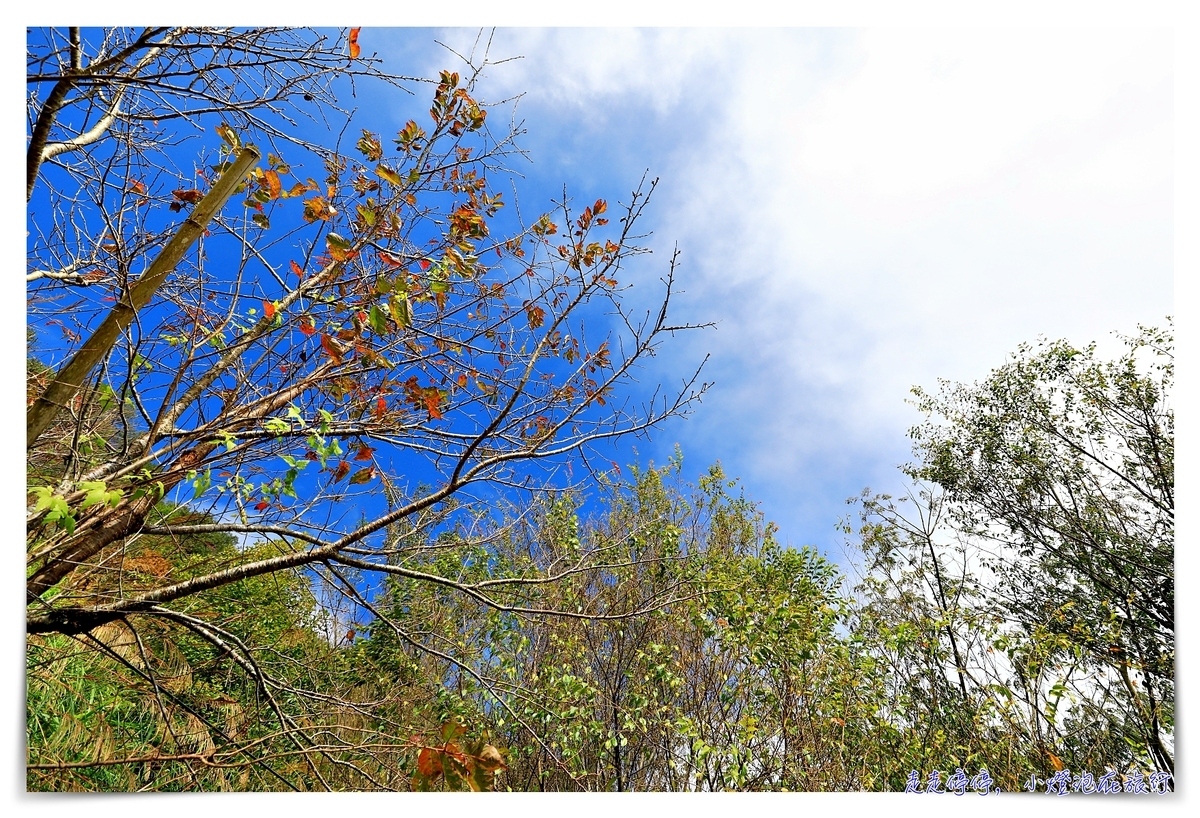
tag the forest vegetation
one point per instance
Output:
(312, 499)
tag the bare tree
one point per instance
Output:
(339, 373)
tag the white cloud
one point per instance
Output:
(868, 210)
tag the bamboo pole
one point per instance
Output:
(71, 377)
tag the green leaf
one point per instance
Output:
(377, 319)
(202, 483)
(398, 307)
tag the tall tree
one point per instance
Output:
(1060, 467)
(333, 371)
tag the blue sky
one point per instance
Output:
(858, 210)
(861, 211)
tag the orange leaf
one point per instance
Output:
(316, 208)
(355, 49)
(274, 186)
(268, 309)
(380, 407)
(462, 380)
(429, 762)
(297, 269)
(306, 327)
(329, 347)
(433, 400)
(365, 452)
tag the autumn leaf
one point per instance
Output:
(462, 380)
(296, 269)
(370, 146)
(363, 475)
(269, 309)
(306, 327)
(355, 49)
(489, 758)
(339, 248)
(429, 762)
(317, 208)
(229, 135)
(343, 468)
(364, 453)
(433, 400)
(535, 315)
(389, 175)
(189, 196)
(274, 186)
(331, 348)
(390, 260)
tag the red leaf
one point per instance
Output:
(390, 260)
(297, 269)
(189, 196)
(138, 187)
(462, 380)
(355, 49)
(268, 310)
(365, 452)
(343, 468)
(380, 407)
(424, 264)
(306, 327)
(262, 506)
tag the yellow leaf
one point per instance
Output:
(389, 175)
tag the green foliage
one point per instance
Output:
(1062, 465)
